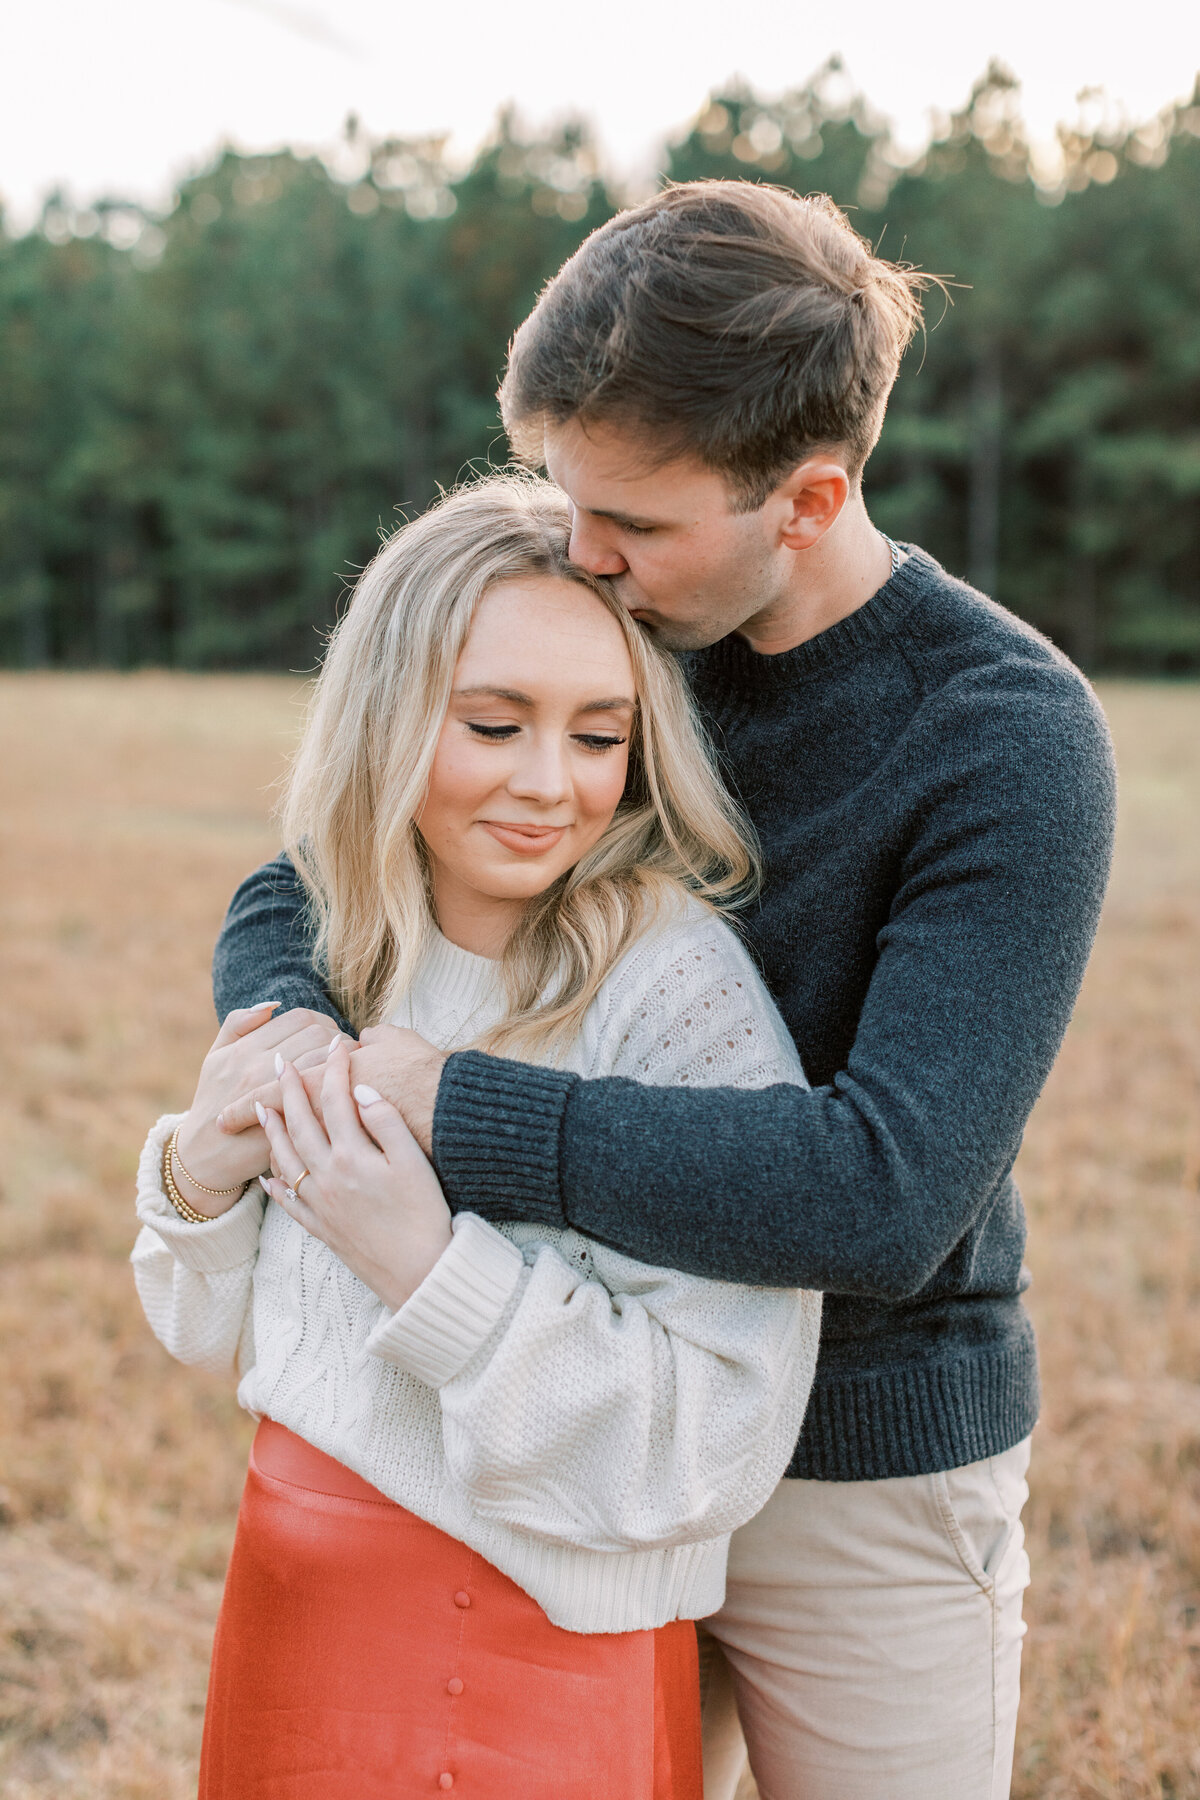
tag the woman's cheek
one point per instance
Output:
(604, 786)
(459, 783)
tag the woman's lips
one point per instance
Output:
(526, 840)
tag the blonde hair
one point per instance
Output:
(363, 766)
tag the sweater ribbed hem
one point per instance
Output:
(606, 1590)
(455, 1309)
(496, 1131)
(209, 1249)
(916, 1419)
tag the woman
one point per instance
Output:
(496, 1471)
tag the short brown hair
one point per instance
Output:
(729, 320)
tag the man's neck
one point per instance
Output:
(829, 582)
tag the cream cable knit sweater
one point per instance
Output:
(594, 1427)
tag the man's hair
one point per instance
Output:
(726, 320)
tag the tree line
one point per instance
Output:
(207, 417)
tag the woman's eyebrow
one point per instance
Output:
(494, 693)
(616, 703)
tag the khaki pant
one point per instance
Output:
(871, 1640)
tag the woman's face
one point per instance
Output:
(531, 760)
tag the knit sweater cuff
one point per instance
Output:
(456, 1308)
(222, 1243)
(496, 1133)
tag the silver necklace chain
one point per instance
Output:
(895, 550)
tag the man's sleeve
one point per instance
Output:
(866, 1185)
(265, 950)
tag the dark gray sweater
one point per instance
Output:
(933, 787)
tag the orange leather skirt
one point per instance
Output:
(361, 1654)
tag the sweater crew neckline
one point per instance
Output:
(734, 663)
(458, 979)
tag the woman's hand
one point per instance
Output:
(242, 1056)
(369, 1192)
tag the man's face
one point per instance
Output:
(685, 564)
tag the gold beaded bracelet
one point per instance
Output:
(217, 1193)
(185, 1210)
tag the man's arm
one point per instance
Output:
(866, 1185)
(265, 950)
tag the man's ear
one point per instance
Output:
(809, 500)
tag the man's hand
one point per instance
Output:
(399, 1064)
(406, 1070)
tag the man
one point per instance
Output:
(933, 789)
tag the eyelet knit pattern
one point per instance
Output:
(592, 1426)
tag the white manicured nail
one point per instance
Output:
(278, 1063)
(261, 1112)
(366, 1096)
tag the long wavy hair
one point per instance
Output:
(362, 769)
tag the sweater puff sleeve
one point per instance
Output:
(591, 1400)
(195, 1282)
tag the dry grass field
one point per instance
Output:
(130, 808)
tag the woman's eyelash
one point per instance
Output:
(499, 734)
(635, 530)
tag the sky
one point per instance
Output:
(122, 98)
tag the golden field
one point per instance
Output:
(131, 807)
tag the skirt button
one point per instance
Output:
(462, 1598)
(454, 1685)
(446, 1780)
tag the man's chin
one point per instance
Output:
(678, 634)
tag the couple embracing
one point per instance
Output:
(685, 894)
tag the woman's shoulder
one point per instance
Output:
(685, 988)
(679, 935)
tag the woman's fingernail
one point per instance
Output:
(366, 1096)
(220, 1121)
(261, 1112)
(333, 1043)
(278, 1063)
(262, 1003)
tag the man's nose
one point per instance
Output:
(588, 549)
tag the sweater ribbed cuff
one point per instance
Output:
(456, 1308)
(496, 1132)
(221, 1243)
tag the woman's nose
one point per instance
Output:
(588, 548)
(542, 774)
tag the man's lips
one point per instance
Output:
(526, 840)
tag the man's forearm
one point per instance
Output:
(264, 951)
(776, 1187)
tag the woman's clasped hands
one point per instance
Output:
(213, 1166)
(356, 1178)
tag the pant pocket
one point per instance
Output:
(980, 1506)
(962, 1533)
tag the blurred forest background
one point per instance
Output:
(209, 416)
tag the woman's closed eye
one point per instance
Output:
(597, 742)
(492, 734)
